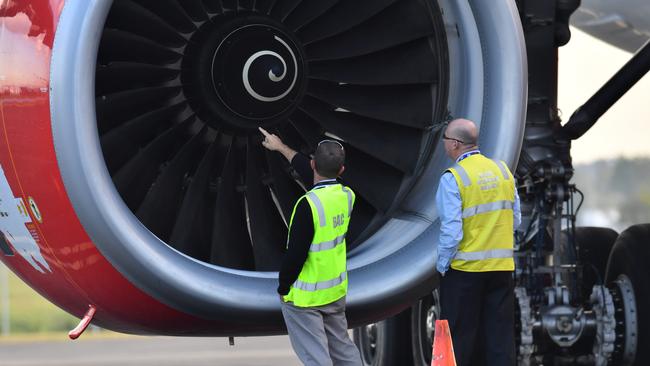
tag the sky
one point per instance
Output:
(585, 64)
(23, 59)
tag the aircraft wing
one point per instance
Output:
(624, 24)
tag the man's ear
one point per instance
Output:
(312, 163)
(341, 170)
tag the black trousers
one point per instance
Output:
(480, 309)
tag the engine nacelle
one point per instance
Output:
(133, 179)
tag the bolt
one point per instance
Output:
(564, 324)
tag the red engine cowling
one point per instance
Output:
(131, 176)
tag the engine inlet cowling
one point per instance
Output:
(162, 161)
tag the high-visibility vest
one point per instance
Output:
(487, 192)
(324, 278)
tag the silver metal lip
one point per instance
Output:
(379, 278)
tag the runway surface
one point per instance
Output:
(149, 351)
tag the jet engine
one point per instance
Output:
(134, 179)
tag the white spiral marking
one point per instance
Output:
(272, 76)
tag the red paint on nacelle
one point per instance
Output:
(80, 276)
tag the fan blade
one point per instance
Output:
(396, 146)
(195, 9)
(123, 106)
(213, 6)
(286, 189)
(267, 230)
(117, 45)
(283, 8)
(310, 130)
(193, 227)
(121, 76)
(306, 12)
(122, 143)
(400, 23)
(362, 215)
(134, 179)
(363, 173)
(289, 134)
(158, 210)
(340, 18)
(231, 245)
(264, 6)
(229, 5)
(245, 5)
(133, 18)
(407, 105)
(172, 12)
(412, 63)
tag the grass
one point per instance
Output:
(30, 313)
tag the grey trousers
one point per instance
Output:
(319, 335)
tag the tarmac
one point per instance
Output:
(149, 351)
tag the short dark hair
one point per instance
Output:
(329, 158)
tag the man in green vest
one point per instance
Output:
(479, 209)
(313, 278)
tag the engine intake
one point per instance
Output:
(154, 117)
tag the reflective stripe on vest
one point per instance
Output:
(486, 254)
(323, 277)
(325, 245)
(463, 175)
(487, 207)
(323, 285)
(504, 170)
(319, 207)
(487, 194)
(349, 193)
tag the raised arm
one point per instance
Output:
(274, 143)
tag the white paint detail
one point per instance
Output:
(34, 209)
(333, 136)
(14, 216)
(275, 78)
(272, 76)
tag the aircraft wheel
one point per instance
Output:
(423, 318)
(629, 260)
(385, 343)
(593, 246)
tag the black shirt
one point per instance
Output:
(301, 232)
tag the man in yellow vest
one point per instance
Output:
(313, 278)
(479, 209)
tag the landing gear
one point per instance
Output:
(423, 318)
(628, 267)
(582, 318)
(385, 343)
(593, 247)
(405, 339)
(627, 331)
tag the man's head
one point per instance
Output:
(461, 135)
(329, 159)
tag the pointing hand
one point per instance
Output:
(271, 141)
(274, 143)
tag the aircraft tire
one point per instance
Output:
(630, 256)
(594, 245)
(423, 316)
(385, 343)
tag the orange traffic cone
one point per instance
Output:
(443, 349)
